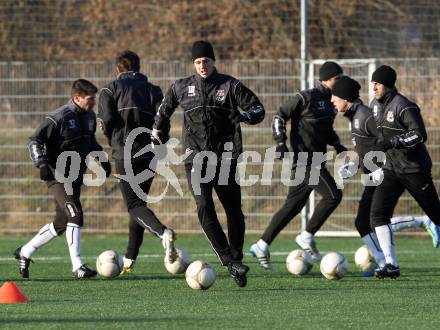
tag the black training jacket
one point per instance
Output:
(312, 116)
(127, 103)
(208, 106)
(68, 128)
(363, 129)
(399, 119)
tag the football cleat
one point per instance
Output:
(238, 272)
(432, 229)
(128, 265)
(168, 238)
(310, 248)
(262, 256)
(84, 272)
(23, 263)
(388, 270)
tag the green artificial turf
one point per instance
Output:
(151, 298)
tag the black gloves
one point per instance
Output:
(281, 148)
(340, 148)
(107, 168)
(46, 173)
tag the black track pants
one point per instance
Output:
(297, 197)
(230, 248)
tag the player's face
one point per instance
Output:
(379, 90)
(340, 104)
(85, 102)
(204, 66)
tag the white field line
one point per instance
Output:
(149, 256)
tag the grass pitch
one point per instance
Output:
(151, 298)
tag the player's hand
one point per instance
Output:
(376, 176)
(281, 149)
(107, 168)
(340, 148)
(348, 170)
(46, 173)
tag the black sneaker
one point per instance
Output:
(84, 272)
(388, 270)
(23, 263)
(238, 272)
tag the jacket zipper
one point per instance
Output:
(205, 115)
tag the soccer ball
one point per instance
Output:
(200, 275)
(180, 265)
(364, 259)
(299, 262)
(334, 266)
(109, 264)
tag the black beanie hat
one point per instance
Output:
(329, 70)
(346, 88)
(202, 48)
(384, 75)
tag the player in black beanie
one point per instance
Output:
(402, 135)
(311, 114)
(214, 106)
(384, 75)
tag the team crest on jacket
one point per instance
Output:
(390, 116)
(220, 95)
(91, 124)
(191, 90)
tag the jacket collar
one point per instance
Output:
(323, 89)
(386, 99)
(75, 107)
(349, 113)
(131, 74)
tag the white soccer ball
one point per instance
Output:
(180, 265)
(109, 264)
(363, 259)
(334, 266)
(200, 275)
(299, 262)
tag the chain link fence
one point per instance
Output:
(28, 90)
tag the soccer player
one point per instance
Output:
(210, 102)
(402, 137)
(345, 98)
(125, 104)
(312, 115)
(69, 128)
